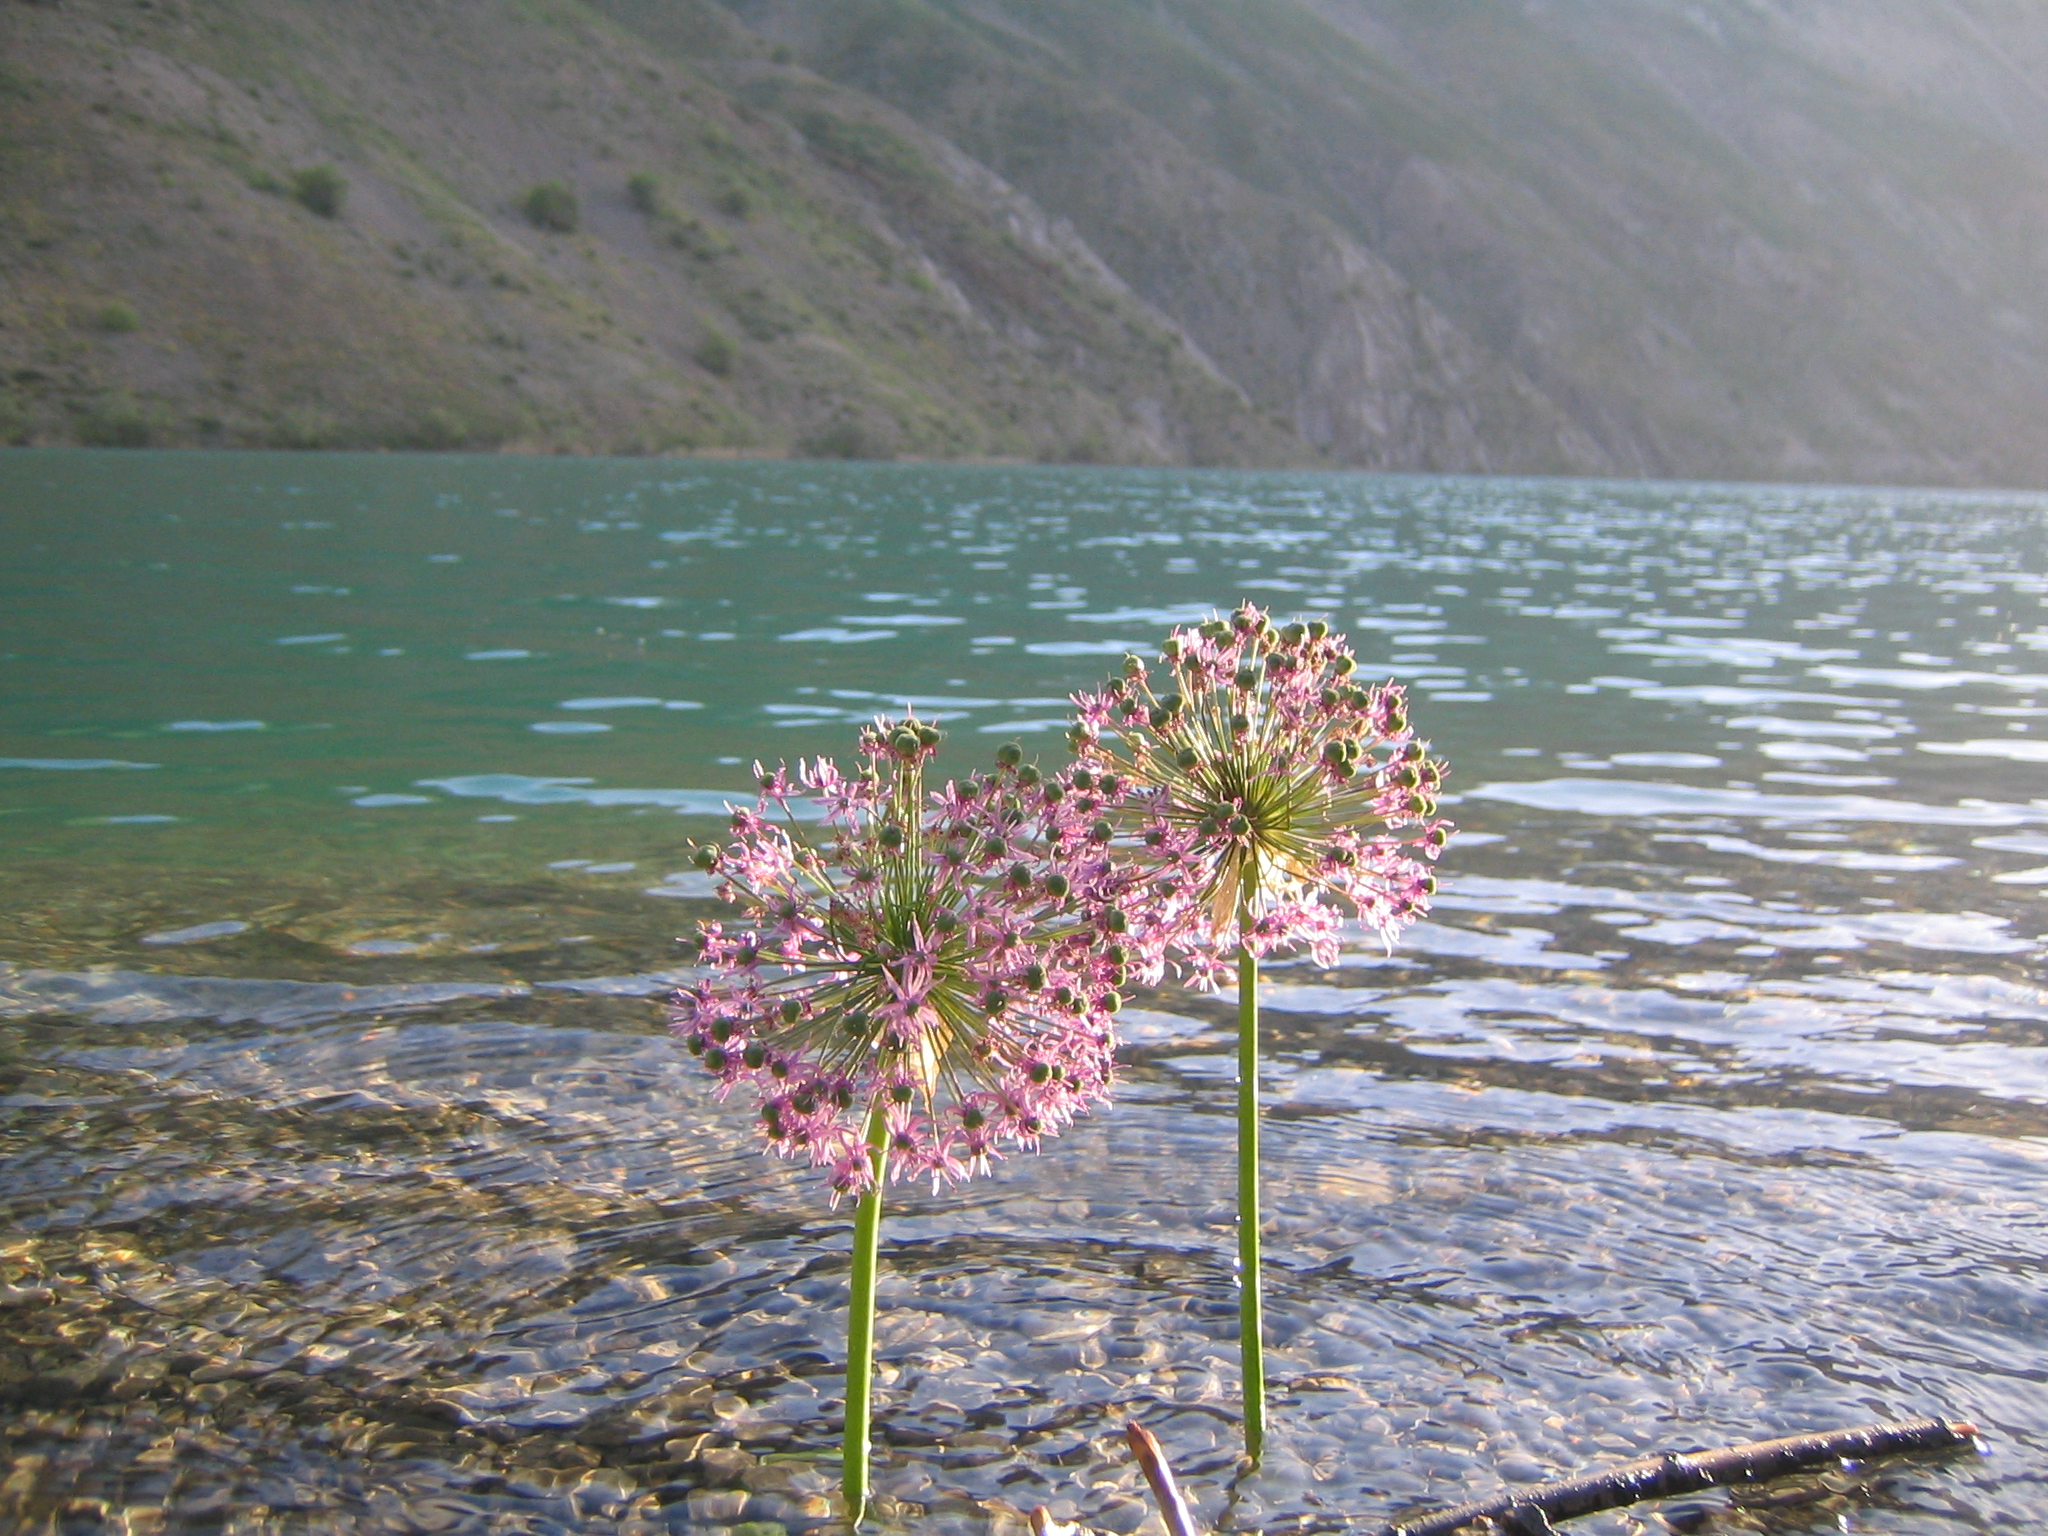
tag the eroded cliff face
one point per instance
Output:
(1779, 238)
(1798, 238)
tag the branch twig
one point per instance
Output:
(1529, 1512)
(1173, 1509)
(1661, 1477)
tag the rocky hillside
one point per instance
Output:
(1746, 238)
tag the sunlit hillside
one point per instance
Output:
(1800, 239)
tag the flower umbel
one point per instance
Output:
(950, 963)
(1281, 781)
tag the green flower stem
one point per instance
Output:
(860, 1325)
(1251, 1332)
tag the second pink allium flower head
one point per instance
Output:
(1275, 780)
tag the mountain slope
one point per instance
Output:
(1800, 238)
(1744, 238)
(854, 288)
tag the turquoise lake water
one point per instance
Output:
(347, 1180)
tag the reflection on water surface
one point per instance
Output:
(346, 1180)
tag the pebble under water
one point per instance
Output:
(348, 1181)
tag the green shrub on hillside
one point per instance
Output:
(844, 438)
(644, 192)
(16, 422)
(699, 239)
(864, 147)
(319, 189)
(119, 316)
(716, 353)
(116, 421)
(550, 205)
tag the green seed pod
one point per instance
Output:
(1429, 885)
(1083, 779)
(1239, 724)
(1111, 1003)
(705, 857)
(1027, 776)
(1055, 792)
(1056, 885)
(1009, 754)
(900, 1093)
(1317, 629)
(715, 1059)
(1293, 634)
(1188, 758)
(855, 1023)
(994, 1000)
(1159, 717)
(1170, 650)
(792, 1010)
(1040, 1073)
(1114, 921)
(1101, 832)
(903, 742)
(1134, 666)
(755, 1055)
(1239, 826)
(694, 1045)
(1020, 875)
(1344, 666)
(929, 735)
(842, 1097)
(1034, 977)
(890, 837)
(722, 1031)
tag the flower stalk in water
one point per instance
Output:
(1278, 786)
(933, 987)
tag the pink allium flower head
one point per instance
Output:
(946, 969)
(1276, 782)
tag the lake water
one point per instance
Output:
(348, 1181)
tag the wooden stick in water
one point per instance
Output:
(1530, 1511)
(1173, 1509)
